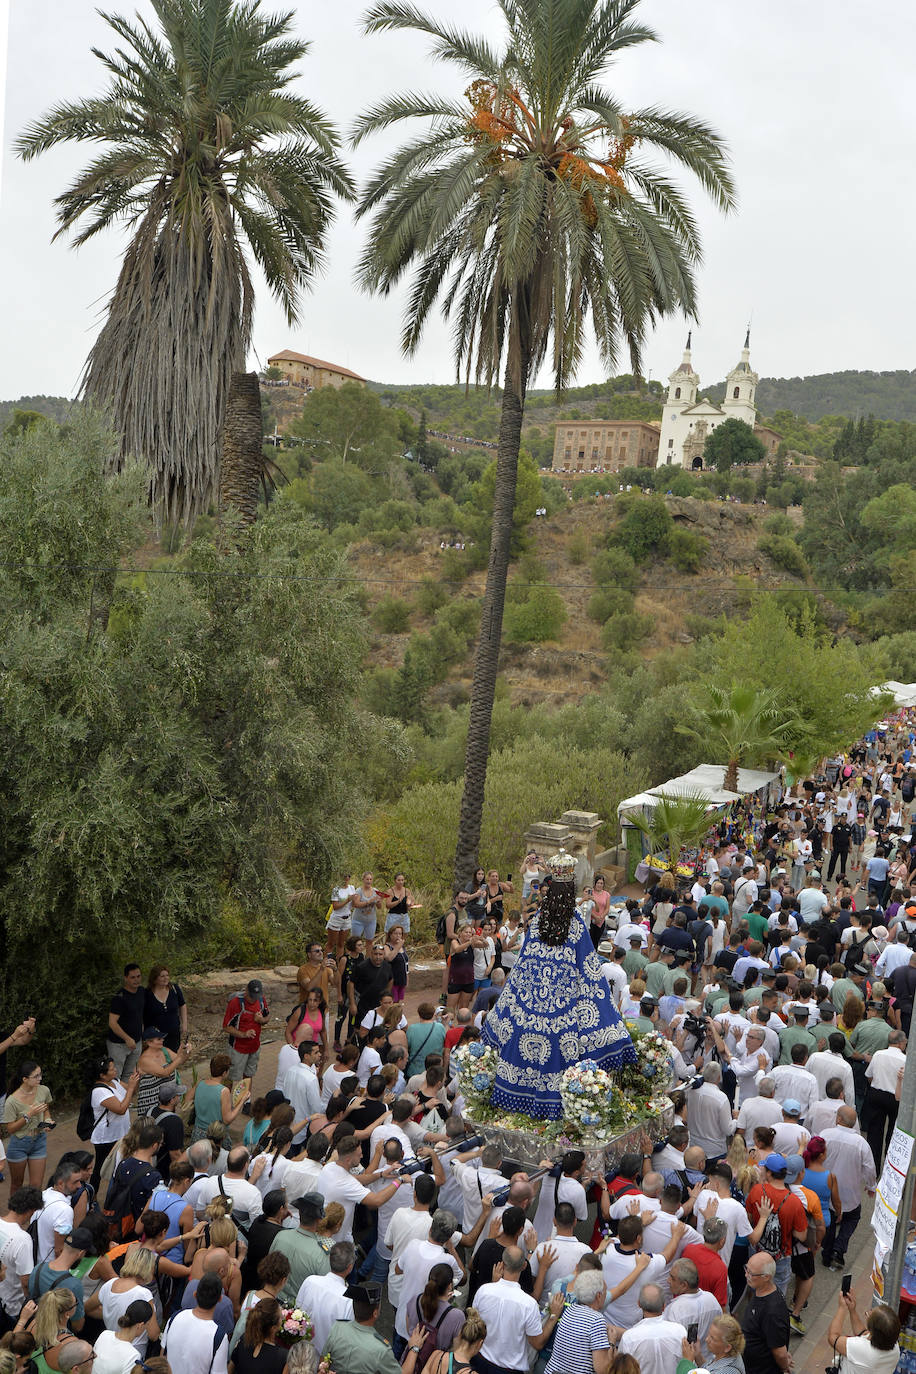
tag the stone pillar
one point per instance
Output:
(547, 838)
(584, 826)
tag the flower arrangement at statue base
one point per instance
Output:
(599, 1108)
(295, 1326)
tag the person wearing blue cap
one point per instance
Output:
(778, 1218)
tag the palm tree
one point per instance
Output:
(204, 153)
(528, 209)
(744, 725)
(676, 823)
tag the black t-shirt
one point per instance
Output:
(902, 984)
(490, 1254)
(369, 982)
(167, 1015)
(261, 1235)
(172, 1136)
(128, 1008)
(270, 1359)
(371, 1111)
(726, 959)
(766, 1328)
(842, 834)
(142, 1179)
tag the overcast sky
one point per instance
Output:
(815, 98)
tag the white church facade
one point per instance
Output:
(687, 422)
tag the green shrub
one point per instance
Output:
(578, 547)
(688, 550)
(785, 553)
(607, 602)
(779, 524)
(539, 617)
(614, 568)
(391, 615)
(645, 528)
(455, 566)
(430, 596)
(462, 616)
(625, 629)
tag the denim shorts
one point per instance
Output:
(20, 1147)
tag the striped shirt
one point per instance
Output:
(580, 1331)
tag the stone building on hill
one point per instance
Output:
(311, 373)
(604, 445)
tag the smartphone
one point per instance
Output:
(693, 1331)
(846, 1285)
(508, 877)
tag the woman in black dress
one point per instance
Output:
(257, 1352)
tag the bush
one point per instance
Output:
(607, 602)
(461, 616)
(614, 568)
(645, 528)
(578, 547)
(688, 550)
(785, 553)
(430, 596)
(625, 629)
(539, 617)
(779, 524)
(391, 615)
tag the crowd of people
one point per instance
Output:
(359, 1192)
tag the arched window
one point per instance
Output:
(736, 393)
(677, 393)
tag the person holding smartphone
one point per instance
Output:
(26, 1118)
(873, 1343)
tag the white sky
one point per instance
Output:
(815, 98)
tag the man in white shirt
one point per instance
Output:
(476, 1179)
(690, 1303)
(247, 1203)
(727, 1208)
(565, 1187)
(612, 968)
(823, 1114)
(301, 1175)
(745, 894)
(192, 1341)
(795, 1082)
(336, 1183)
(287, 1059)
(16, 1249)
(671, 1156)
(301, 1086)
(747, 1062)
(709, 1116)
(831, 1063)
(879, 1113)
(407, 1224)
(322, 1295)
(627, 929)
(761, 1110)
(752, 960)
(812, 900)
(395, 1127)
(852, 1164)
(790, 1137)
(892, 957)
(56, 1218)
(620, 1257)
(513, 1319)
(415, 1262)
(566, 1250)
(656, 1341)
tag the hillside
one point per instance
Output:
(886, 395)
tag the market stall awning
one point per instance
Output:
(904, 693)
(704, 781)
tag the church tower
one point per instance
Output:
(741, 388)
(682, 392)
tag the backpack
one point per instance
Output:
(441, 931)
(852, 955)
(87, 1121)
(771, 1235)
(431, 1338)
(119, 1207)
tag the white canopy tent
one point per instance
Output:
(705, 781)
(904, 693)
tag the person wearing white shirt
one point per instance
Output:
(830, 1063)
(812, 900)
(322, 1295)
(655, 1342)
(791, 923)
(16, 1249)
(748, 962)
(565, 1187)
(301, 1175)
(852, 1164)
(620, 1256)
(415, 1262)
(343, 1067)
(566, 1249)
(879, 1113)
(728, 1209)
(477, 1180)
(760, 1110)
(407, 1224)
(191, 1339)
(56, 1216)
(377, 1015)
(745, 895)
(246, 1199)
(336, 1183)
(628, 929)
(513, 1319)
(789, 1137)
(698, 892)
(301, 1086)
(793, 1081)
(709, 1116)
(287, 1059)
(613, 970)
(690, 1303)
(370, 1061)
(823, 1113)
(732, 1024)
(892, 957)
(748, 1061)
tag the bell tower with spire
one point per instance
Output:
(682, 392)
(741, 388)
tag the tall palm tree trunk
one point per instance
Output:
(730, 780)
(242, 464)
(483, 688)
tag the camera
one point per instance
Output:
(695, 1026)
(415, 1166)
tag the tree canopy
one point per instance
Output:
(732, 443)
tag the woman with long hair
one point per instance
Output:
(111, 1101)
(135, 1282)
(220, 1233)
(267, 1169)
(466, 1345)
(273, 1271)
(433, 1309)
(164, 1006)
(26, 1118)
(257, 1352)
(852, 1013)
(50, 1327)
(213, 1100)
